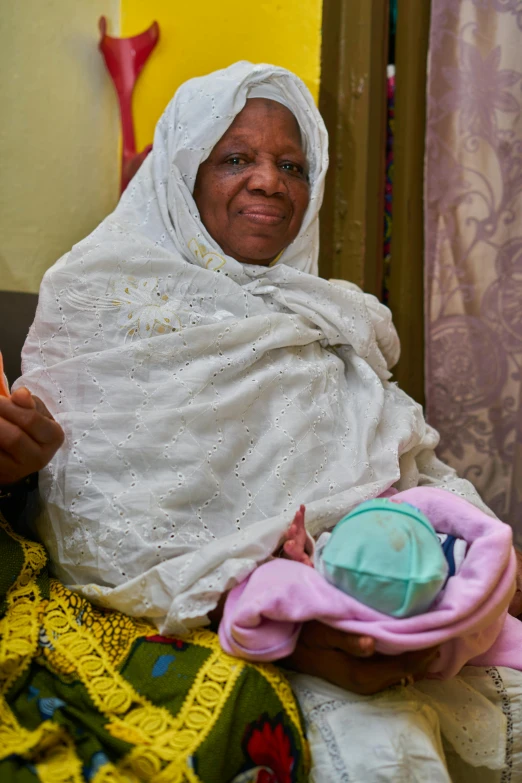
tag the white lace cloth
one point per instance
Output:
(397, 735)
(203, 400)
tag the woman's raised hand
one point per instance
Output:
(350, 662)
(29, 436)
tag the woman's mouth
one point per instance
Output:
(268, 216)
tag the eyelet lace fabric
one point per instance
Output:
(473, 725)
(204, 400)
(406, 728)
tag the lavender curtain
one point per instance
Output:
(474, 245)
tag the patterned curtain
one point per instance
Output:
(474, 245)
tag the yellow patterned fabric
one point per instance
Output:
(92, 695)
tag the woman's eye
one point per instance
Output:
(236, 160)
(293, 168)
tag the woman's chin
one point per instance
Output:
(262, 256)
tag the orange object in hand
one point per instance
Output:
(4, 391)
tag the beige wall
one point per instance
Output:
(59, 132)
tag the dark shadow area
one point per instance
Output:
(16, 316)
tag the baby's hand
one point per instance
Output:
(295, 545)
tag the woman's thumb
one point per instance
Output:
(23, 398)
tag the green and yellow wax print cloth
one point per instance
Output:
(93, 695)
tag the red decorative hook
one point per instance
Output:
(125, 58)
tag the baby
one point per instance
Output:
(385, 554)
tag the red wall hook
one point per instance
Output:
(125, 58)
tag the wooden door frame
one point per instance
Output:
(353, 103)
(406, 285)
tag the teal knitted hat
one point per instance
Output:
(387, 556)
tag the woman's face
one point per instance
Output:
(252, 191)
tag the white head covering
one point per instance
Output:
(203, 400)
(272, 92)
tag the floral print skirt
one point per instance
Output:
(93, 695)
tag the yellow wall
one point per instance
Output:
(59, 133)
(202, 35)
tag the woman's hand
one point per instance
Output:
(515, 607)
(350, 661)
(29, 436)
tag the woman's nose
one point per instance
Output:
(266, 177)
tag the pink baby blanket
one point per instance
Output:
(469, 620)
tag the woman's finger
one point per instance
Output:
(317, 634)
(419, 660)
(390, 670)
(17, 445)
(350, 643)
(28, 439)
(372, 675)
(38, 427)
(23, 458)
(357, 675)
(41, 407)
(10, 471)
(414, 664)
(318, 653)
(23, 398)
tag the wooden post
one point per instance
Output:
(406, 283)
(352, 101)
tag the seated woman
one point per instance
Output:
(208, 382)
